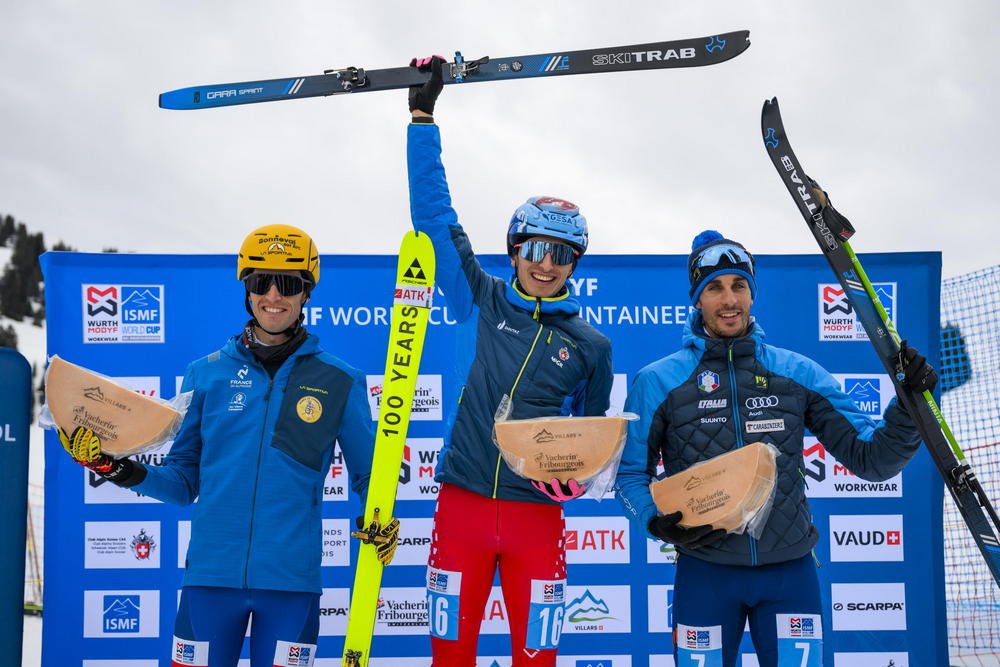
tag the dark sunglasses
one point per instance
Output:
(535, 251)
(288, 285)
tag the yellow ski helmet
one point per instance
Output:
(278, 247)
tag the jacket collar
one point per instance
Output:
(562, 304)
(694, 336)
(235, 348)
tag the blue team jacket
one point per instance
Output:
(715, 395)
(255, 452)
(538, 351)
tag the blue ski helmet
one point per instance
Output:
(548, 216)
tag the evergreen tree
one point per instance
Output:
(6, 229)
(8, 337)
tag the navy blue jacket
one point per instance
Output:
(538, 351)
(715, 395)
(255, 452)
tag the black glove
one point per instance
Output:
(918, 375)
(665, 527)
(422, 98)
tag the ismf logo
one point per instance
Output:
(837, 318)
(188, 653)
(553, 592)
(708, 381)
(801, 627)
(123, 314)
(437, 581)
(866, 392)
(121, 614)
(697, 639)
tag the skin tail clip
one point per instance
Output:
(370, 535)
(352, 659)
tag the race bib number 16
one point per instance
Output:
(443, 588)
(545, 616)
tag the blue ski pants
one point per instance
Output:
(212, 622)
(713, 603)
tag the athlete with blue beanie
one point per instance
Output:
(523, 351)
(694, 405)
(254, 449)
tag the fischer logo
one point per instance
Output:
(653, 55)
(874, 537)
(828, 478)
(868, 606)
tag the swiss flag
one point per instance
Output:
(892, 537)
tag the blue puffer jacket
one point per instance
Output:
(538, 351)
(715, 395)
(255, 452)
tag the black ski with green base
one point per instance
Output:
(832, 232)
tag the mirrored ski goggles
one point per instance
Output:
(287, 284)
(724, 254)
(535, 251)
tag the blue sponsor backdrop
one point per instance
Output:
(111, 592)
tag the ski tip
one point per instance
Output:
(159, 100)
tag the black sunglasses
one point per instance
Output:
(288, 284)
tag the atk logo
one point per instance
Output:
(708, 381)
(596, 539)
(123, 314)
(837, 318)
(143, 545)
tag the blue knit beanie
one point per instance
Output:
(713, 255)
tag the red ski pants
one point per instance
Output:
(472, 536)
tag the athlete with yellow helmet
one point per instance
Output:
(254, 450)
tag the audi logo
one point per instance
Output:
(757, 402)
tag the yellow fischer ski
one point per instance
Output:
(410, 309)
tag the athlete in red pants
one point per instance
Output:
(523, 351)
(473, 535)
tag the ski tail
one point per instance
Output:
(412, 298)
(830, 232)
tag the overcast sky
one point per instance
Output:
(891, 105)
